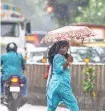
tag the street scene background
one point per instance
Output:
(48, 15)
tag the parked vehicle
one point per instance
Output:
(35, 37)
(80, 53)
(35, 55)
(101, 52)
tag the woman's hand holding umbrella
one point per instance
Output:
(69, 59)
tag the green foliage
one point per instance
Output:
(94, 13)
(89, 79)
(90, 11)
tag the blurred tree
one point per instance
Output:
(94, 13)
(65, 11)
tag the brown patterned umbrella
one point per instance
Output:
(69, 33)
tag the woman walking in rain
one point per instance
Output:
(58, 87)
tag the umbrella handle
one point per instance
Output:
(70, 45)
(82, 40)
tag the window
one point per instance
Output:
(34, 54)
(9, 29)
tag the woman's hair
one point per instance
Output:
(54, 49)
(11, 47)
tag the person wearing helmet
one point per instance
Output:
(12, 63)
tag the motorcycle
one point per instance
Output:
(12, 92)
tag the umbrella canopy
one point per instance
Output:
(69, 33)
